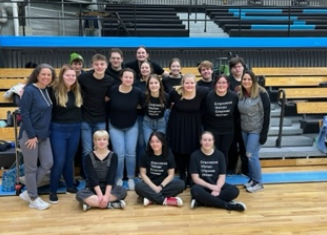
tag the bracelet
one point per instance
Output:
(161, 186)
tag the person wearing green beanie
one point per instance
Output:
(76, 61)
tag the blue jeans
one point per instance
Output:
(87, 130)
(151, 125)
(252, 146)
(124, 145)
(64, 142)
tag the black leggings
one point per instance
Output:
(223, 143)
(203, 195)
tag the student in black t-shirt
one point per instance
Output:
(175, 75)
(142, 55)
(205, 69)
(115, 65)
(123, 125)
(237, 148)
(208, 171)
(94, 85)
(156, 103)
(157, 170)
(100, 190)
(65, 129)
(220, 114)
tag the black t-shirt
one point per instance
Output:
(157, 166)
(169, 83)
(123, 106)
(92, 176)
(157, 69)
(142, 86)
(205, 84)
(208, 167)
(94, 92)
(114, 74)
(234, 85)
(220, 112)
(69, 114)
(154, 110)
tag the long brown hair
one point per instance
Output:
(255, 89)
(35, 73)
(162, 99)
(61, 89)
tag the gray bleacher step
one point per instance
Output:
(273, 106)
(287, 130)
(290, 152)
(274, 122)
(275, 112)
(289, 141)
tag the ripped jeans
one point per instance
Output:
(252, 146)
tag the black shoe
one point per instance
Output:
(53, 198)
(71, 190)
(236, 206)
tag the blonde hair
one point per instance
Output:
(255, 89)
(180, 89)
(100, 134)
(61, 89)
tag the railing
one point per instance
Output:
(68, 12)
(281, 101)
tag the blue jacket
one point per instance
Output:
(322, 137)
(36, 112)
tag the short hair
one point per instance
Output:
(206, 64)
(100, 134)
(234, 61)
(116, 50)
(218, 77)
(97, 57)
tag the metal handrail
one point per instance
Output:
(281, 102)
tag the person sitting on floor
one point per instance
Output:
(208, 172)
(101, 190)
(157, 170)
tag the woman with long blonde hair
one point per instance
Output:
(65, 129)
(184, 124)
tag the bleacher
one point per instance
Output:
(271, 22)
(143, 21)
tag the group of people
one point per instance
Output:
(155, 119)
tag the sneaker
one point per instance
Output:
(53, 198)
(173, 201)
(86, 207)
(73, 190)
(39, 204)
(119, 182)
(236, 206)
(117, 205)
(24, 195)
(248, 184)
(131, 184)
(255, 188)
(194, 204)
(146, 202)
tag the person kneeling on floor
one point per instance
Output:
(208, 171)
(101, 191)
(157, 170)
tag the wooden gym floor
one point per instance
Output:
(281, 209)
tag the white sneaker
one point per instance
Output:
(39, 204)
(146, 202)
(119, 182)
(85, 207)
(248, 184)
(24, 195)
(255, 188)
(131, 184)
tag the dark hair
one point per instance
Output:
(150, 65)
(236, 60)
(218, 77)
(30, 65)
(162, 99)
(174, 60)
(33, 77)
(162, 139)
(115, 50)
(127, 70)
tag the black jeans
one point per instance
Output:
(223, 143)
(203, 195)
(172, 189)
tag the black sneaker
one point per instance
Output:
(72, 190)
(236, 206)
(53, 198)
